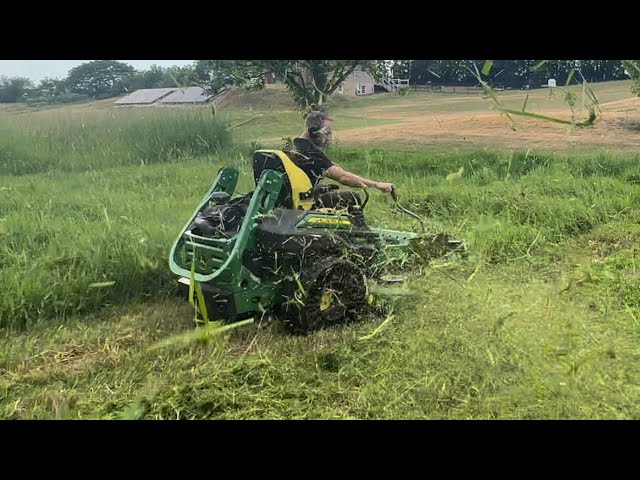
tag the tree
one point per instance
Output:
(159, 77)
(401, 68)
(14, 89)
(215, 75)
(633, 69)
(51, 87)
(309, 81)
(440, 72)
(178, 76)
(151, 78)
(99, 78)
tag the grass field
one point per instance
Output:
(540, 322)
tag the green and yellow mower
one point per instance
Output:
(303, 255)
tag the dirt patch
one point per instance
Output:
(618, 126)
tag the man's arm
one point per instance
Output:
(352, 180)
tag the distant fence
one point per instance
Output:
(458, 89)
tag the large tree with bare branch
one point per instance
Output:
(309, 81)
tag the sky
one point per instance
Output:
(36, 70)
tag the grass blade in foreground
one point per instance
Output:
(201, 334)
(487, 67)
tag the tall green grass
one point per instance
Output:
(75, 243)
(506, 205)
(70, 244)
(79, 141)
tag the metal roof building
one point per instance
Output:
(145, 96)
(187, 95)
(166, 96)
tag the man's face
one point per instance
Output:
(326, 134)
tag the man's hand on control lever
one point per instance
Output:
(352, 180)
(385, 187)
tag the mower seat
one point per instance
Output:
(297, 190)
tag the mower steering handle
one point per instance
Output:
(366, 198)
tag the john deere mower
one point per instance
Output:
(304, 255)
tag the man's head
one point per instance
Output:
(318, 129)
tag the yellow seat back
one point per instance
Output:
(299, 182)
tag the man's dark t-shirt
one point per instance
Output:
(309, 158)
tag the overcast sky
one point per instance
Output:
(36, 70)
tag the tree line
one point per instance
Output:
(309, 81)
(95, 80)
(508, 73)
